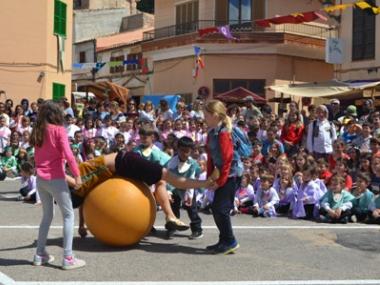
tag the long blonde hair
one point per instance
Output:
(217, 107)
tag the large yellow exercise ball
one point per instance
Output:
(120, 212)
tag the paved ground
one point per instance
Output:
(278, 251)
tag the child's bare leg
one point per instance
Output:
(162, 198)
(82, 228)
(172, 223)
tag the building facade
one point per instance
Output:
(360, 32)
(120, 47)
(36, 48)
(260, 57)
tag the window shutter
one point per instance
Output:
(60, 17)
(58, 91)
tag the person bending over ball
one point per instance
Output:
(131, 165)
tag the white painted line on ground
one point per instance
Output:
(5, 280)
(285, 282)
(319, 227)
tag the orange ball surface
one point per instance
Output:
(120, 212)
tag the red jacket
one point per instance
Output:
(292, 133)
(226, 153)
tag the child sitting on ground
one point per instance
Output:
(285, 193)
(363, 198)
(28, 190)
(244, 196)
(266, 197)
(306, 198)
(8, 163)
(336, 204)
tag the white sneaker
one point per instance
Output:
(39, 260)
(71, 262)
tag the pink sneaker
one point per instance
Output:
(70, 262)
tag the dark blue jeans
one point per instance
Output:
(192, 211)
(221, 207)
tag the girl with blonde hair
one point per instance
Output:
(220, 153)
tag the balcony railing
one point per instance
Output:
(314, 30)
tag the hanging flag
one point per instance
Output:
(206, 31)
(364, 5)
(115, 63)
(226, 32)
(334, 8)
(131, 61)
(99, 65)
(61, 53)
(144, 66)
(198, 61)
(77, 65)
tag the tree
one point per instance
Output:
(146, 6)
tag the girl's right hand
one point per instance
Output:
(78, 182)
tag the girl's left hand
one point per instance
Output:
(213, 186)
(78, 182)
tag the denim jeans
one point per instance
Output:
(192, 211)
(221, 207)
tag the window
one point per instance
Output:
(60, 10)
(58, 91)
(82, 57)
(77, 4)
(254, 85)
(239, 11)
(134, 56)
(363, 33)
(117, 68)
(187, 16)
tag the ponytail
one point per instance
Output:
(227, 123)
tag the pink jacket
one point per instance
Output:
(50, 158)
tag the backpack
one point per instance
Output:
(241, 142)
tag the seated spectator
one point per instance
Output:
(336, 204)
(266, 198)
(28, 190)
(363, 198)
(8, 163)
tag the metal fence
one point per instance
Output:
(314, 30)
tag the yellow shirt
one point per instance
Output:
(93, 172)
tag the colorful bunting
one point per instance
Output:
(295, 18)
(207, 31)
(226, 32)
(198, 61)
(334, 8)
(364, 5)
(100, 65)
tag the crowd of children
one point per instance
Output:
(289, 173)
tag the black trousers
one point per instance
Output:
(192, 211)
(360, 215)
(344, 214)
(222, 205)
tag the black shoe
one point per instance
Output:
(213, 247)
(170, 234)
(153, 230)
(196, 235)
(227, 249)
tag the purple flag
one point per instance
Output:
(226, 32)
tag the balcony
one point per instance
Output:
(248, 32)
